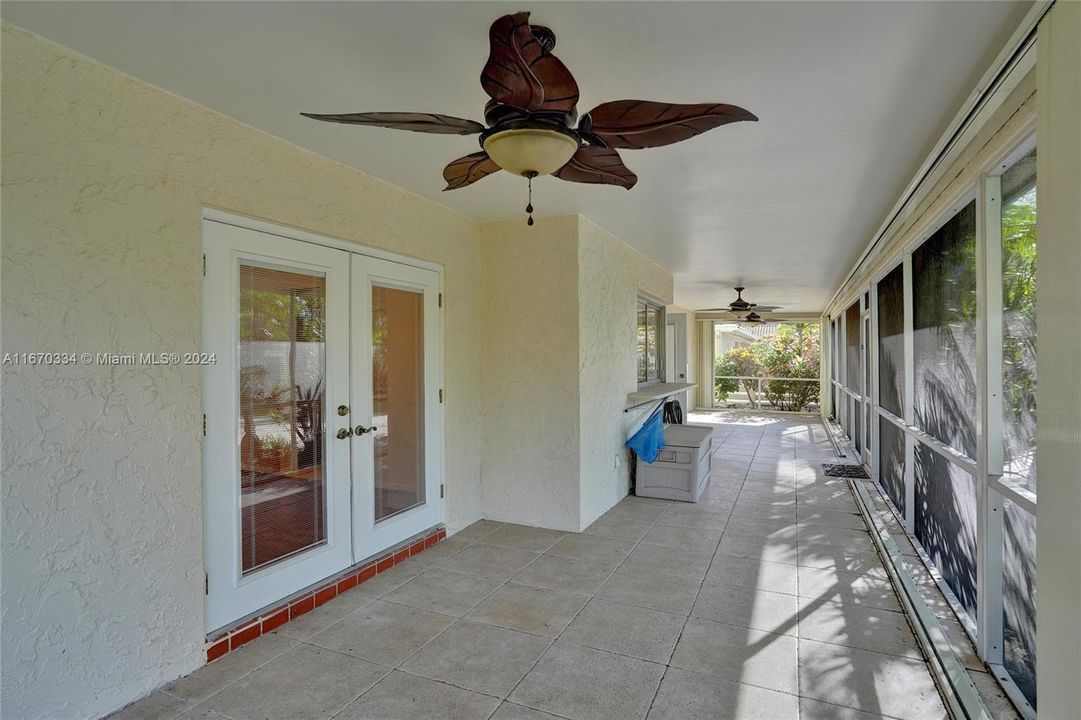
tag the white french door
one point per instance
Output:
(323, 438)
(397, 428)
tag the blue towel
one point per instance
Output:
(649, 440)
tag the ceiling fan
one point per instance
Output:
(739, 305)
(531, 118)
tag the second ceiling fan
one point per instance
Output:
(532, 113)
(740, 306)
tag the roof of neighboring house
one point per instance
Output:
(737, 330)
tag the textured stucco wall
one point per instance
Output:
(104, 178)
(530, 371)
(611, 275)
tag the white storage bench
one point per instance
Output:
(681, 471)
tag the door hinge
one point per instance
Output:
(440, 394)
(440, 490)
(204, 424)
(206, 579)
(204, 264)
(440, 299)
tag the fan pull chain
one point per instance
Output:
(529, 207)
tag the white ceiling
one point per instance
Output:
(851, 97)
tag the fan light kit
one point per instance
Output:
(532, 113)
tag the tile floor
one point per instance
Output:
(764, 600)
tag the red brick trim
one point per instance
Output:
(274, 617)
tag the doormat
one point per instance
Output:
(845, 471)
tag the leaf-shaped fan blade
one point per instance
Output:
(593, 164)
(763, 308)
(416, 122)
(642, 123)
(520, 72)
(467, 170)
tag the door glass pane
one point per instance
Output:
(945, 520)
(1019, 321)
(1019, 597)
(398, 399)
(891, 343)
(944, 307)
(891, 461)
(282, 359)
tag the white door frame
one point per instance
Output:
(219, 400)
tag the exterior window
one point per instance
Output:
(650, 343)
(1018, 229)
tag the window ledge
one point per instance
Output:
(656, 392)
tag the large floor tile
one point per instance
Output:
(654, 591)
(529, 609)
(586, 684)
(523, 537)
(875, 683)
(695, 519)
(157, 706)
(444, 591)
(859, 627)
(619, 528)
(841, 559)
(739, 654)
(474, 656)
(383, 633)
(510, 711)
(322, 617)
(767, 549)
(565, 575)
(690, 539)
(625, 629)
(211, 678)
(491, 561)
(784, 528)
(646, 508)
(845, 537)
(401, 696)
(817, 710)
(591, 548)
(305, 683)
(818, 517)
(753, 573)
(647, 558)
(745, 607)
(476, 531)
(687, 695)
(847, 588)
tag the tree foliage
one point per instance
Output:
(790, 352)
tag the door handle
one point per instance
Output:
(344, 433)
(361, 429)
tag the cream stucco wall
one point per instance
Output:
(610, 277)
(529, 315)
(558, 356)
(104, 180)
